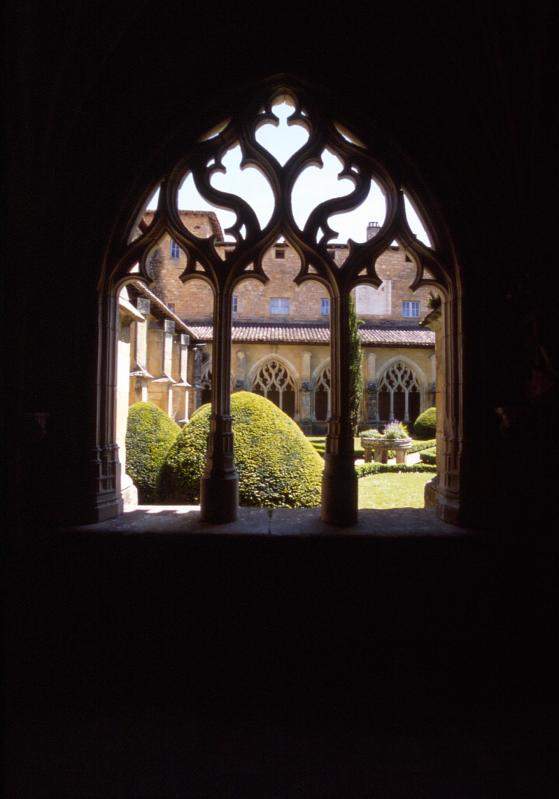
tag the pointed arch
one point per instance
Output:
(321, 385)
(274, 381)
(401, 388)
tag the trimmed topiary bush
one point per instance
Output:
(278, 466)
(426, 424)
(428, 455)
(149, 435)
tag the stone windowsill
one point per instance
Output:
(284, 522)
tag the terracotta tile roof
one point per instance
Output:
(253, 332)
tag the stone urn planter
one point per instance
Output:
(376, 449)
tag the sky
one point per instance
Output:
(313, 186)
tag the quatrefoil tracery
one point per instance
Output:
(244, 254)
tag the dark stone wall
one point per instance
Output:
(101, 100)
(147, 668)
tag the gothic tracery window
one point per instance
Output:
(274, 382)
(322, 395)
(206, 382)
(399, 393)
(246, 141)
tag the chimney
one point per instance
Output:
(372, 230)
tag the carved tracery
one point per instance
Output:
(224, 270)
(322, 395)
(274, 382)
(399, 393)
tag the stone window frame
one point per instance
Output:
(279, 253)
(368, 155)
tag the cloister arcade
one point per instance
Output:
(401, 391)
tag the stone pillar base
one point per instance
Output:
(339, 490)
(430, 493)
(219, 498)
(129, 493)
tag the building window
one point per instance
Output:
(175, 251)
(410, 309)
(279, 305)
(235, 304)
(280, 252)
(325, 306)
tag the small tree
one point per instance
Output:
(355, 373)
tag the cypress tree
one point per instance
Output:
(355, 373)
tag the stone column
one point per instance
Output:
(140, 371)
(306, 412)
(168, 335)
(219, 485)
(371, 388)
(432, 389)
(128, 490)
(181, 387)
(372, 402)
(339, 481)
(197, 376)
(241, 371)
(167, 364)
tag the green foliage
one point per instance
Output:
(382, 468)
(149, 435)
(355, 372)
(425, 425)
(372, 433)
(319, 443)
(428, 455)
(419, 446)
(278, 466)
(395, 430)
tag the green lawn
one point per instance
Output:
(393, 490)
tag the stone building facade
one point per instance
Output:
(280, 335)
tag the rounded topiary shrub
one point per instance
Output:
(149, 434)
(425, 425)
(278, 466)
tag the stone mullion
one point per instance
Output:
(104, 463)
(339, 482)
(448, 505)
(219, 485)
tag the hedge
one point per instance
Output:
(425, 425)
(278, 466)
(149, 435)
(420, 446)
(429, 455)
(381, 468)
